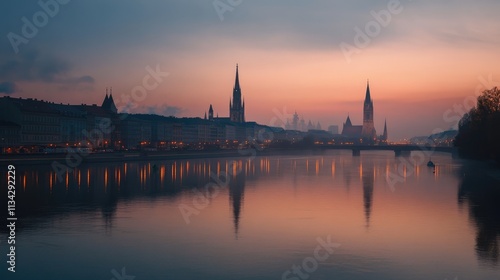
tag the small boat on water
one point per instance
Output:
(431, 164)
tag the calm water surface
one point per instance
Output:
(390, 218)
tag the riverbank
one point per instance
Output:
(39, 159)
(487, 169)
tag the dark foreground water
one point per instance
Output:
(326, 216)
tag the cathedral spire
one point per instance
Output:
(111, 101)
(237, 80)
(210, 113)
(236, 106)
(368, 98)
(384, 136)
(106, 99)
(348, 121)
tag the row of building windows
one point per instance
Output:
(41, 128)
(71, 129)
(40, 119)
(9, 131)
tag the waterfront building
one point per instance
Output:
(365, 133)
(39, 123)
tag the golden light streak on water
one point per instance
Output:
(105, 179)
(118, 177)
(162, 174)
(181, 171)
(174, 171)
(67, 180)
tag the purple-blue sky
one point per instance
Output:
(424, 59)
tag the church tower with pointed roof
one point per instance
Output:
(237, 105)
(348, 121)
(368, 132)
(210, 113)
(109, 103)
(384, 136)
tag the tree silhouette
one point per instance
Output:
(478, 131)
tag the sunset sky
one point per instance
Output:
(428, 58)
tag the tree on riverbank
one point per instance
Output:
(479, 129)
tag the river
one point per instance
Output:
(302, 216)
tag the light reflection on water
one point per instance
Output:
(435, 224)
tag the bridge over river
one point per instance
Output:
(399, 150)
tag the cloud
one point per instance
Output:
(320, 24)
(33, 66)
(79, 80)
(164, 110)
(7, 87)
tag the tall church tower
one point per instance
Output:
(384, 136)
(211, 113)
(237, 107)
(368, 132)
